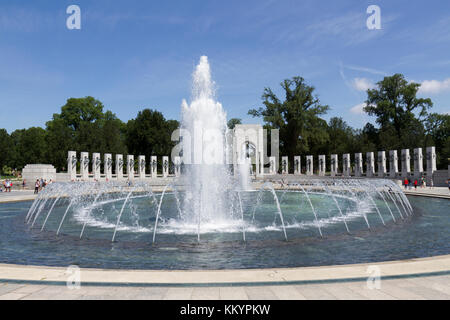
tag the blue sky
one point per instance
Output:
(140, 54)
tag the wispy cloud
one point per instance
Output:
(358, 109)
(358, 83)
(362, 84)
(435, 86)
(365, 69)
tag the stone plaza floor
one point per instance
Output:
(420, 288)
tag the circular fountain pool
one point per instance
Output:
(309, 224)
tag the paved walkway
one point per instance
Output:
(437, 265)
(17, 195)
(425, 278)
(441, 192)
(435, 287)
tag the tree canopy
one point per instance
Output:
(397, 109)
(297, 117)
(83, 125)
(233, 122)
(150, 133)
(402, 121)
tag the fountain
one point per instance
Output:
(211, 200)
(210, 217)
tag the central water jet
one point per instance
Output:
(204, 132)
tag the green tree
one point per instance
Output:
(437, 128)
(30, 147)
(342, 136)
(233, 122)
(394, 103)
(150, 134)
(297, 117)
(60, 139)
(81, 110)
(7, 149)
(367, 139)
(82, 125)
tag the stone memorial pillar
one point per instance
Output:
(358, 165)
(431, 163)
(309, 165)
(107, 166)
(72, 165)
(259, 165)
(322, 165)
(370, 164)
(272, 165)
(119, 166)
(84, 166)
(381, 163)
(154, 166)
(297, 165)
(141, 167)
(96, 163)
(418, 163)
(165, 166)
(130, 166)
(334, 164)
(346, 169)
(393, 163)
(177, 164)
(406, 163)
(284, 165)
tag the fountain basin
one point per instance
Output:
(222, 245)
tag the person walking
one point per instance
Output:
(24, 184)
(415, 184)
(424, 183)
(406, 182)
(36, 186)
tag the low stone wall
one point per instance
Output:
(32, 172)
(440, 177)
(62, 177)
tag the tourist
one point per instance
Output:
(406, 182)
(415, 184)
(24, 184)
(8, 185)
(36, 186)
(424, 184)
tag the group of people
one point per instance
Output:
(7, 184)
(410, 183)
(41, 183)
